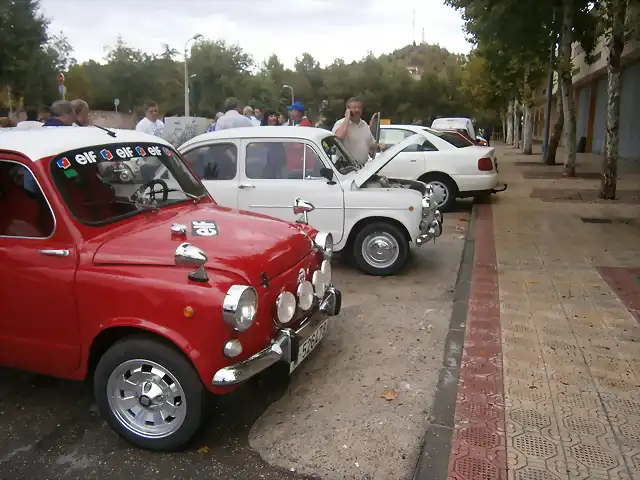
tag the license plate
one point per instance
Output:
(309, 344)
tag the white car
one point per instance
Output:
(445, 161)
(269, 169)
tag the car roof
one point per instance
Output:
(307, 133)
(50, 141)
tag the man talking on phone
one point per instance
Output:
(355, 132)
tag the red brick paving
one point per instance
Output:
(624, 282)
(478, 445)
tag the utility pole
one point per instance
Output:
(547, 117)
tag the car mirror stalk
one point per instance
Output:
(190, 255)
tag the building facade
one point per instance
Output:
(590, 91)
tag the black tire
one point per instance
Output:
(387, 229)
(446, 182)
(146, 348)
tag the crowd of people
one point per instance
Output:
(354, 132)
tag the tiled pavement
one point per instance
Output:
(550, 376)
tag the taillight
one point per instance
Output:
(485, 164)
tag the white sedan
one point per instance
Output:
(452, 166)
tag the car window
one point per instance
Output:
(214, 162)
(427, 146)
(339, 155)
(455, 139)
(282, 160)
(393, 136)
(104, 183)
(24, 210)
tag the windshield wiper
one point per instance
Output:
(109, 132)
(189, 195)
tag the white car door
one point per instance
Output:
(277, 171)
(410, 163)
(217, 166)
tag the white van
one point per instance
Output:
(454, 124)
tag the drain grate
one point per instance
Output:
(594, 456)
(584, 426)
(535, 446)
(529, 473)
(479, 437)
(476, 469)
(596, 220)
(530, 418)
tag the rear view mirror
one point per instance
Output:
(326, 173)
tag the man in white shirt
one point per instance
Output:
(150, 123)
(31, 122)
(248, 112)
(355, 132)
(232, 118)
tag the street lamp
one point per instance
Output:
(290, 88)
(186, 75)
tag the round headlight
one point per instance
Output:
(324, 240)
(319, 284)
(240, 307)
(325, 268)
(305, 295)
(286, 307)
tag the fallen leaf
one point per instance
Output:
(360, 316)
(203, 449)
(390, 395)
(460, 228)
(463, 219)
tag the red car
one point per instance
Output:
(153, 290)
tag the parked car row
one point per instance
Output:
(170, 274)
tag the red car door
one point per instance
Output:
(39, 328)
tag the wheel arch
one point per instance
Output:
(439, 174)
(363, 222)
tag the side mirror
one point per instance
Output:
(327, 173)
(189, 255)
(302, 207)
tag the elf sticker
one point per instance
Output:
(204, 228)
(63, 163)
(106, 154)
(86, 157)
(154, 151)
(140, 151)
(124, 152)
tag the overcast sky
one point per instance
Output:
(327, 29)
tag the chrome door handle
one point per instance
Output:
(245, 185)
(55, 253)
(413, 161)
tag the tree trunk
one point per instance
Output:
(509, 137)
(516, 124)
(615, 44)
(568, 102)
(558, 127)
(504, 127)
(527, 135)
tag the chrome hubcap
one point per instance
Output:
(146, 398)
(380, 249)
(440, 192)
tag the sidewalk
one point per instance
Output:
(549, 385)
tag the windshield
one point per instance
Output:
(339, 155)
(104, 183)
(455, 139)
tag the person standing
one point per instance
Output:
(62, 114)
(259, 112)
(355, 132)
(297, 117)
(32, 121)
(269, 118)
(150, 123)
(248, 112)
(488, 132)
(82, 112)
(232, 117)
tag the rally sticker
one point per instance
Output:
(63, 163)
(204, 228)
(106, 154)
(140, 151)
(166, 151)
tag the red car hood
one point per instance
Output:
(246, 243)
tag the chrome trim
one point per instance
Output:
(55, 221)
(303, 207)
(232, 348)
(230, 305)
(289, 206)
(322, 240)
(190, 255)
(55, 253)
(178, 229)
(433, 230)
(280, 348)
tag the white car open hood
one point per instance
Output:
(381, 160)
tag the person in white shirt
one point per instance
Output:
(150, 123)
(248, 112)
(355, 132)
(232, 118)
(32, 120)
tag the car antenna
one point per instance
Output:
(110, 132)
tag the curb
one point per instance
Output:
(433, 462)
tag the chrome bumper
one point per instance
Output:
(283, 347)
(430, 231)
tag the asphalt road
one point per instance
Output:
(329, 420)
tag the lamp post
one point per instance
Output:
(186, 75)
(290, 88)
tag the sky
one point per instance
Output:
(327, 29)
